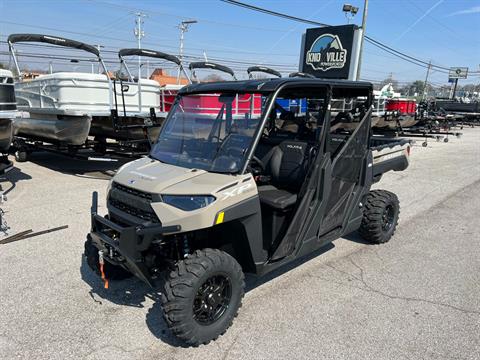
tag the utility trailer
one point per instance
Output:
(232, 195)
(8, 112)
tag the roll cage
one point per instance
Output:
(294, 87)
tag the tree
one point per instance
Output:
(213, 78)
(3, 66)
(418, 86)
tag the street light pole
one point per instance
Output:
(364, 25)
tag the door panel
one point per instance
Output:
(347, 168)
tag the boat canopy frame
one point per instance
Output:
(209, 65)
(262, 69)
(151, 54)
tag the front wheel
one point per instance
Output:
(202, 296)
(380, 216)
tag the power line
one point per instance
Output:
(372, 41)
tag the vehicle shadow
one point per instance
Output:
(356, 238)
(103, 170)
(133, 292)
(12, 178)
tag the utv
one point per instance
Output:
(244, 191)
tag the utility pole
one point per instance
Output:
(183, 26)
(139, 34)
(426, 81)
(364, 26)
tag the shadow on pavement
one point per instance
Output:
(133, 292)
(12, 178)
(356, 238)
(83, 168)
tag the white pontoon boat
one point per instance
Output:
(64, 107)
(8, 111)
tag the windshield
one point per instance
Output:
(209, 131)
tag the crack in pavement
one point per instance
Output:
(369, 288)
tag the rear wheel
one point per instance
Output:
(112, 272)
(202, 296)
(380, 216)
(21, 155)
(100, 145)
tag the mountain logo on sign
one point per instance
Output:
(326, 53)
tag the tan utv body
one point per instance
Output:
(152, 176)
(243, 179)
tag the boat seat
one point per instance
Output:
(285, 164)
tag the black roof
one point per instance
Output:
(271, 85)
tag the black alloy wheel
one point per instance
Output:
(388, 217)
(212, 299)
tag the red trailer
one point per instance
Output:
(402, 106)
(209, 104)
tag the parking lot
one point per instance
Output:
(417, 297)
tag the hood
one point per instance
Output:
(153, 176)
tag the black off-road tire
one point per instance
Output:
(100, 145)
(380, 216)
(21, 155)
(112, 272)
(180, 298)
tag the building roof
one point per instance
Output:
(163, 78)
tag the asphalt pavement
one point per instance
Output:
(417, 297)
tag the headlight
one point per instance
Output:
(188, 202)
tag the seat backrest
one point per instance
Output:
(287, 164)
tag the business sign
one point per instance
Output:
(330, 52)
(458, 73)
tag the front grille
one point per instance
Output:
(131, 191)
(133, 202)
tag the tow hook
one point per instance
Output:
(101, 262)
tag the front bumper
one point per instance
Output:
(124, 245)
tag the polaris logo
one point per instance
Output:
(295, 147)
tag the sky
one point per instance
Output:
(447, 32)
